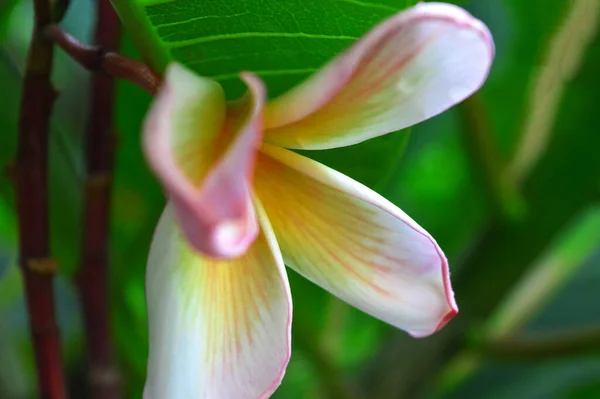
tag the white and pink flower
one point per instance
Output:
(241, 204)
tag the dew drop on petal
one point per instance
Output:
(405, 86)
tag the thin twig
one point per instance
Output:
(99, 59)
(92, 277)
(32, 207)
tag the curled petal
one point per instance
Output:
(354, 243)
(218, 328)
(411, 67)
(203, 152)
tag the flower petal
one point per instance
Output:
(203, 151)
(354, 243)
(413, 66)
(218, 328)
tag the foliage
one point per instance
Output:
(433, 175)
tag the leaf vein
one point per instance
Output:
(194, 19)
(267, 72)
(242, 35)
(369, 5)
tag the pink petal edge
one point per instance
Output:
(272, 242)
(218, 217)
(447, 289)
(347, 185)
(166, 273)
(336, 74)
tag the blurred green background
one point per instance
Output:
(507, 182)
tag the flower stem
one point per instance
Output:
(92, 277)
(32, 207)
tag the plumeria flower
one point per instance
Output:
(241, 204)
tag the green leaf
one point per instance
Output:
(281, 41)
(6, 8)
(522, 32)
(439, 190)
(568, 170)
(555, 268)
(374, 162)
(561, 185)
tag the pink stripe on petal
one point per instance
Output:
(203, 151)
(354, 243)
(411, 67)
(219, 328)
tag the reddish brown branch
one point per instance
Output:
(92, 278)
(32, 207)
(98, 58)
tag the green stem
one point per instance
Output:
(566, 343)
(486, 163)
